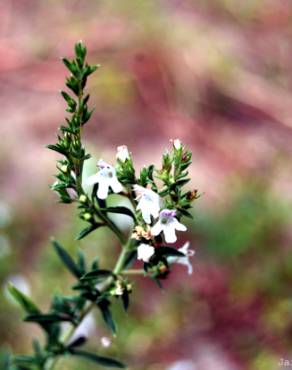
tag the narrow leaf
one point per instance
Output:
(88, 230)
(23, 360)
(125, 299)
(77, 342)
(57, 148)
(106, 314)
(186, 213)
(104, 361)
(96, 274)
(47, 318)
(24, 301)
(67, 259)
(168, 251)
(120, 210)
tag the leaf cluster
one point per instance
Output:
(94, 288)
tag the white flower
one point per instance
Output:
(105, 342)
(177, 144)
(123, 153)
(183, 260)
(149, 202)
(105, 178)
(168, 224)
(119, 290)
(145, 252)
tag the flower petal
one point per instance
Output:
(116, 185)
(169, 233)
(185, 248)
(156, 229)
(93, 179)
(102, 191)
(145, 252)
(178, 226)
(185, 261)
(146, 215)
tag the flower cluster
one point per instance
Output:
(158, 203)
(157, 211)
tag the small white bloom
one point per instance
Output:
(123, 153)
(119, 288)
(145, 252)
(105, 342)
(105, 178)
(177, 144)
(168, 224)
(183, 260)
(148, 202)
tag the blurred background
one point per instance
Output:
(218, 75)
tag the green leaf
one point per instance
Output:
(120, 210)
(80, 51)
(47, 318)
(104, 361)
(57, 148)
(179, 183)
(70, 101)
(88, 230)
(106, 314)
(24, 301)
(125, 300)
(71, 65)
(185, 213)
(81, 262)
(67, 259)
(77, 342)
(96, 275)
(26, 361)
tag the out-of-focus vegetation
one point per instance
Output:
(216, 74)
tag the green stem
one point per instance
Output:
(133, 272)
(121, 260)
(123, 256)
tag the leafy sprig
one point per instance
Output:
(95, 287)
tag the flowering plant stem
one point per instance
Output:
(155, 213)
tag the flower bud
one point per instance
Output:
(82, 198)
(177, 144)
(87, 216)
(119, 288)
(123, 153)
(162, 268)
(64, 168)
